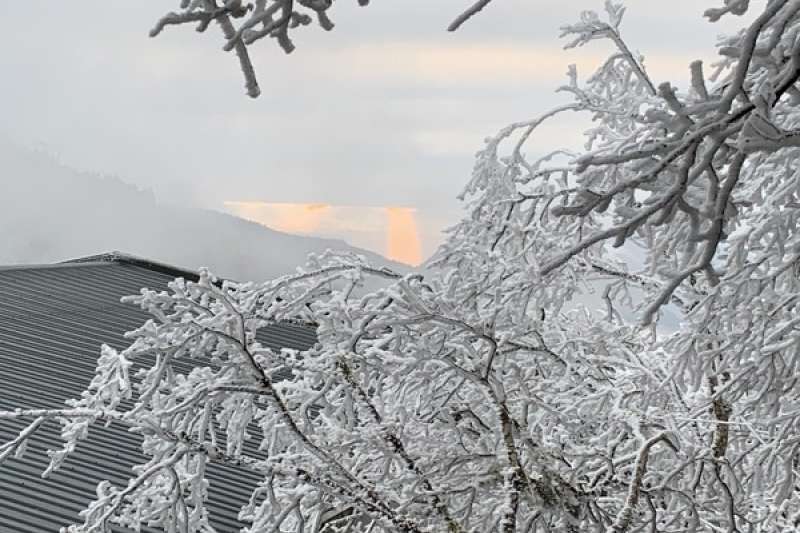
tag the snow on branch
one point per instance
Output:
(256, 20)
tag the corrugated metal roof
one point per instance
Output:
(53, 319)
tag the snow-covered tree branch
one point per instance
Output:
(244, 23)
(528, 381)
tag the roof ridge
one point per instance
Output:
(118, 257)
(109, 259)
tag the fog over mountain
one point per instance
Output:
(51, 213)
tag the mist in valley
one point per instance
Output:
(50, 213)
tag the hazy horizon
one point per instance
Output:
(52, 213)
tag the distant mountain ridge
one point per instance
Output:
(49, 213)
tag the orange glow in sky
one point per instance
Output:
(391, 231)
(303, 219)
(402, 236)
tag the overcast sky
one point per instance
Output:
(386, 110)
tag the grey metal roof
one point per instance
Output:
(53, 319)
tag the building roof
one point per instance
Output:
(53, 319)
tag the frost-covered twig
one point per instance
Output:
(470, 12)
(259, 19)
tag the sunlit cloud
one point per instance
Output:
(301, 219)
(415, 63)
(388, 230)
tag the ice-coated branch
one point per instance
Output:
(250, 82)
(625, 516)
(17, 445)
(257, 20)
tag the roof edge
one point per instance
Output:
(128, 259)
(44, 266)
